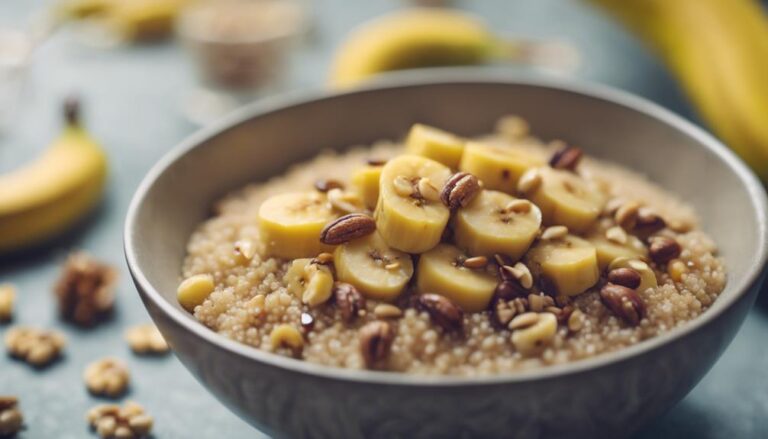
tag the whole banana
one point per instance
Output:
(47, 196)
(427, 37)
(718, 50)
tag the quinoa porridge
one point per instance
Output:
(444, 255)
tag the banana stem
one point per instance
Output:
(72, 111)
(551, 54)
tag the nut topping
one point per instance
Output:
(475, 262)
(375, 342)
(387, 311)
(649, 222)
(626, 215)
(566, 158)
(349, 300)
(624, 302)
(442, 311)
(663, 249)
(328, 184)
(529, 181)
(554, 232)
(347, 228)
(426, 190)
(625, 277)
(459, 190)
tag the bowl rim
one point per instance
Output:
(447, 76)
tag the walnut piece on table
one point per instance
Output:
(85, 290)
(38, 347)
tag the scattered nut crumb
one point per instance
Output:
(85, 290)
(7, 299)
(11, 419)
(38, 347)
(113, 421)
(146, 339)
(107, 377)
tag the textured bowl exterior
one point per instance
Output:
(611, 395)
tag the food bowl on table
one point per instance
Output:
(608, 395)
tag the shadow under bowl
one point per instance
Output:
(610, 395)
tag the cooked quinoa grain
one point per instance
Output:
(250, 299)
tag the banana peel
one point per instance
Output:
(718, 50)
(50, 194)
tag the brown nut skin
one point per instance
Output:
(328, 184)
(347, 228)
(648, 223)
(459, 190)
(509, 289)
(663, 249)
(442, 311)
(625, 277)
(349, 300)
(567, 158)
(375, 342)
(624, 302)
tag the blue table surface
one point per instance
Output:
(133, 98)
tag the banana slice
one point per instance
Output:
(409, 214)
(441, 271)
(366, 182)
(290, 224)
(435, 144)
(495, 222)
(608, 250)
(569, 263)
(567, 199)
(498, 168)
(377, 270)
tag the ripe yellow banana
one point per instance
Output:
(718, 49)
(47, 196)
(426, 37)
(131, 20)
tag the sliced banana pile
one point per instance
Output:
(465, 227)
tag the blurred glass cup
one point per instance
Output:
(240, 48)
(15, 51)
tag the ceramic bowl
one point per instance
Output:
(610, 395)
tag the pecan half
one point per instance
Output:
(510, 289)
(375, 342)
(349, 300)
(442, 311)
(648, 222)
(566, 158)
(347, 228)
(663, 249)
(625, 277)
(459, 190)
(624, 302)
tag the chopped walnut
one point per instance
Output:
(37, 347)
(85, 290)
(146, 340)
(113, 421)
(107, 377)
(7, 298)
(11, 419)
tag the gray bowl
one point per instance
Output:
(607, 396)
